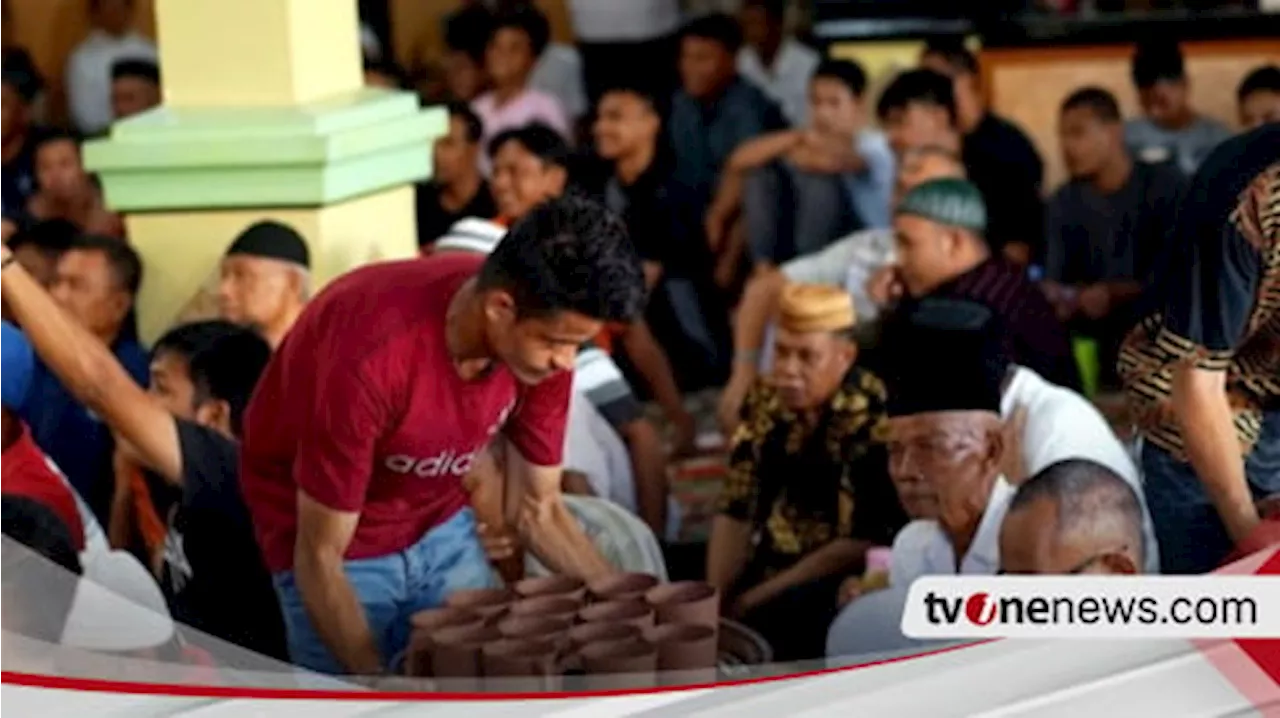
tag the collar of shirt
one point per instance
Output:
(792, 61)
(923, 549)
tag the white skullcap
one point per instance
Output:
(118, 607)
(471, 235)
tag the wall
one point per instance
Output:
(1027, 85)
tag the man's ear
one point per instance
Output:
(499, 305)
(215, 414)
(994, 459)
(1118, 563)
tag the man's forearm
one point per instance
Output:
(649, 464)
(552, 533)
(336, 613)
(727, 551)
(1209, 437)
(652, 363)
(837, 557)
(759, 302)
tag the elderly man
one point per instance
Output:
(1074, 517)
(943, 253)
(848, 262)
(265, 280)
(806, 494)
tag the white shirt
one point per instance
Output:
(558, 72)
(623, 20)
(595, 449)
(787, 82)
(89, 76)
(922, 548)
(1062, 425)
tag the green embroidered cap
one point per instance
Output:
(949, 201)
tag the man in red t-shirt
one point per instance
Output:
(27, 472)
(384, 396)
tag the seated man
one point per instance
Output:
(848, 262)
(806, 493)
(135, 87)
(1258, 97)
(1074, 517)
(799, 189)
(943, 253)
(1170, 130)
(265, 280)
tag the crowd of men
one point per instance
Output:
(894, 313)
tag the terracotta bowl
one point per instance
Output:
(622, 585)
(546, 606)
(691, 602)
(552, 586)
(635, 613)
(585, 633)
(684, 647)
(619, 664)
(455, 650)
(490, 603)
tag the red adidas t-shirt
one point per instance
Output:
(25, 471)
(363, 409)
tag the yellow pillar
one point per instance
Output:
(264, 116)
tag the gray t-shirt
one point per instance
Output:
(1186, 148)
(1091, 237)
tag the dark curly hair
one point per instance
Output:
(568, 255)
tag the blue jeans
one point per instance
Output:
(1192, 537)
(392, 588)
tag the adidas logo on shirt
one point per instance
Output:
(446, 463)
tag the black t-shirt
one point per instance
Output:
(213, 576)
(1004, 165)
(434, 220)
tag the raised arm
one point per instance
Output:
(92, 374)
(545, 524)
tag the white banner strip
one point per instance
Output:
(1093, 607)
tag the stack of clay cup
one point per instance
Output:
(624, 631)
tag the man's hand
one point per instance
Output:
(728, 411)
(1018, 253)
(499, 544)
(850, 590)
(750, 599)
(885, 286)
(1095, 301)
(716, 225)
(1269, 508)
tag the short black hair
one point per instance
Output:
(538, 139)
(124, 262)
(645, 91)
(717, 27)
(55, 134)
(568, 254)
(45, 598)
(529, 20)
(847, 72)
(1157, 60)
(917, 87)
(952, 50)
(776, 9)
(24, 81)
(50, 237)
(1097, 100)
(470, 120)
(224, 361)
(389, 68)
(140, 67)
(1084, 491)
(468, 31)
(1261, 79)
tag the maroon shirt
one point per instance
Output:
(362, 409)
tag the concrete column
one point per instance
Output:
(264, 116)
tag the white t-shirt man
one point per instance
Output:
(787, 81)
(89, 76)
(921, 548)
(623, 20)
(1063, 425)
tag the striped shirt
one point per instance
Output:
(1034, 336)
(1221, 307)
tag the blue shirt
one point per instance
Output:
(871, 191)
(72, 436)
(704, 134)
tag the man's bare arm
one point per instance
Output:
(727, 551)
(1209, 437)
(332, 604)
(546, 526)
(838, 556)
(649, 463)
(92, 374)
